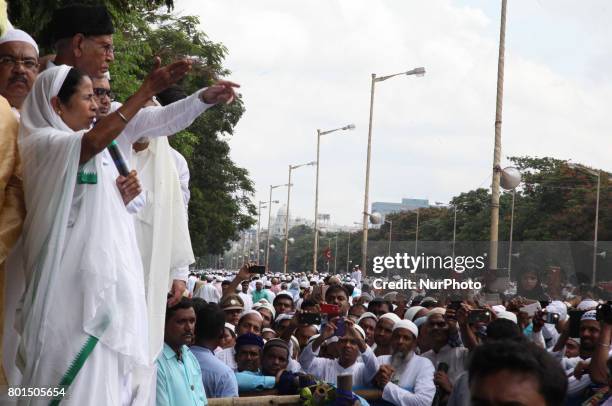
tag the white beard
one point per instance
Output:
(399, 362)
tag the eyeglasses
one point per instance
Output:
(11, 62)
(101, 92)
(108, 49)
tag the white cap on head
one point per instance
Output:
(408, 325)
(587, 304)
(231, 328)
(412, 311)
(590, 315)
(359, 330)
(254, 312)
(390, 316)
(504, 314)
(15, 35)
(367, 315)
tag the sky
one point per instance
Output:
(306, 64)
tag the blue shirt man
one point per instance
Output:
(218, 379)
(179, 377)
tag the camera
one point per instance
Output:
(479, 316)
(310, 318)
(551, 318)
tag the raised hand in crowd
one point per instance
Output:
(383, 376)
(129, 186)
(221, 92)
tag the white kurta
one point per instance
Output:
(455, 357)
(84, 276)
(414, 387)
(329, 369)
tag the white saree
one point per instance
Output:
(82, 320)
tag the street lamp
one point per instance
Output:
(597, 174)
(364, 248)
(316, 214)
(272, 187)
(510, 178)
(454, 224)
(262, 205)
(390, 231)
(291, 168)
(493, 232)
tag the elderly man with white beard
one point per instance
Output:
(405, 378)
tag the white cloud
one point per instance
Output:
(305, 65)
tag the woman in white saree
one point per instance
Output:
(83, 316)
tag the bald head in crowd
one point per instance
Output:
(18, 66)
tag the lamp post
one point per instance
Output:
(316, 213)
(348, 247)
(597, 174)
(262, 205)
(497, 148)
(366, 197)
(390, 231)
(272, 187)
(291, 168)
(510, 178)
(454, 206)
(416, 236)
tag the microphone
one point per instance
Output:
(437, 400)
(118, 159)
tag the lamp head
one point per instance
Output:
(349, 127)
(417, 71)
(375, 218)
(510, 178)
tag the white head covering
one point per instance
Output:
(507, 315)
(231, 328)
(590, 315)
(15, 35)
(408, 325)
(412, 311)
(255, 312)
(359, 330)
(266, 305)
(367, 315)
(390, 316)
(587, 304)
(557, 306)
(436, 310)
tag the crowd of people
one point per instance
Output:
(100, 304)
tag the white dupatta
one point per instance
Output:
(82, 266)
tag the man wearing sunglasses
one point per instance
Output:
(103, 95)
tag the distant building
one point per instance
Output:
(386, 208)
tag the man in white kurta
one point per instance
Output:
(410, 377)
(351, 345)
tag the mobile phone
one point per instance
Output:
(340, 327)
(260, 269)
(310, 318)
(551, 318)
(574, 322)
(604, 312)
(531, 309)
(330, 309)
(479, 316)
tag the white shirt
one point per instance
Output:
(247, 298)
(183, 172)
(209, 293)
(191, 283)
(455, 358)
(328, 369)
(414, 387)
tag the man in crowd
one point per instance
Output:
(179, 375)
(274, 361)
(218, 379)
(511, 373)
(18, 66)
(439, 330)
(233, 306)
(283, 303)
(207, 291)
(250, 323)
(351, 345)
(18, 70)
(383, 333)
(261, 293)
(246, 296)
(405, 378)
